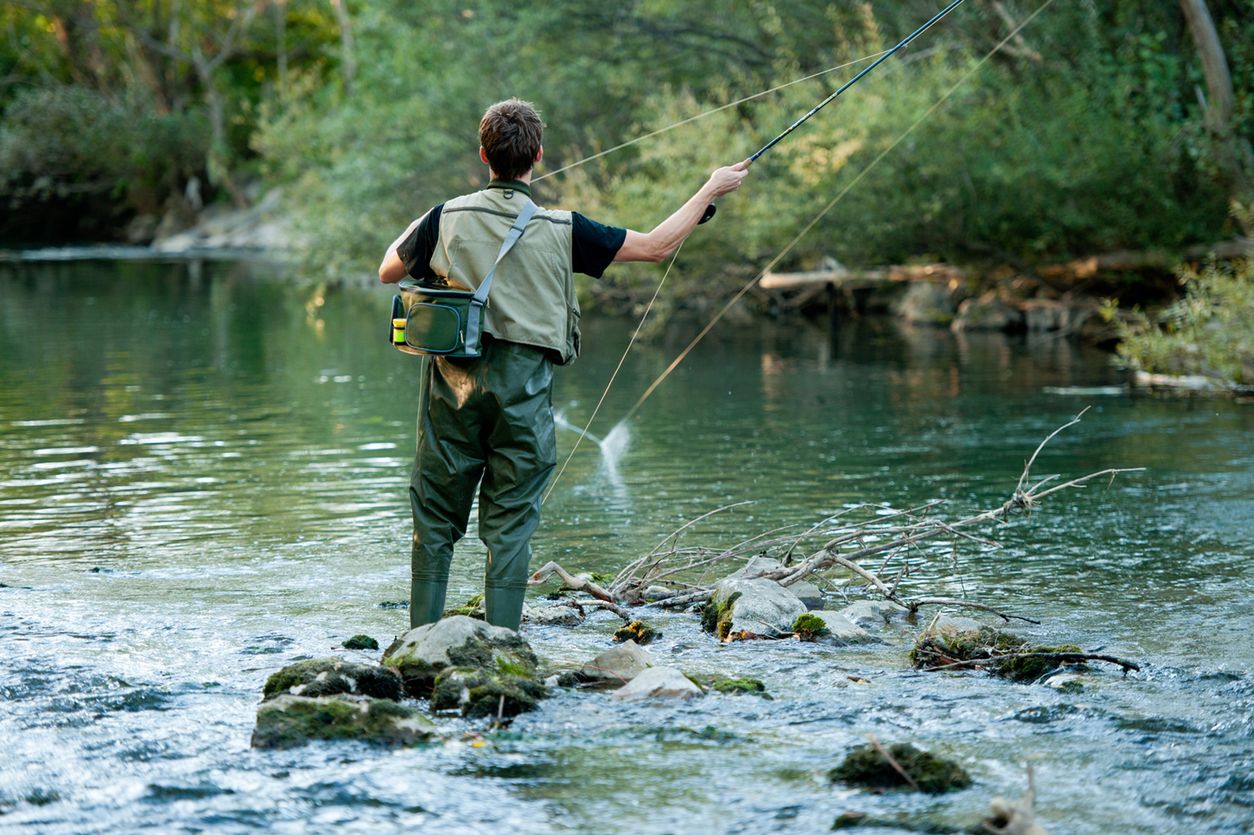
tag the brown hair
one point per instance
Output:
(510, 133)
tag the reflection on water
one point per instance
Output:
(203, 474)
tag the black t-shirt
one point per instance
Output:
(593, 245)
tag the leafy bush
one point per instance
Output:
(69, 144)
(1209, 332)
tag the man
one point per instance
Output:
(492, 416)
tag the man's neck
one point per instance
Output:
(524, 178)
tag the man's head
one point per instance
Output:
(510, 134)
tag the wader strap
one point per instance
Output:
(474, 323)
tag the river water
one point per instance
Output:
(202, 478)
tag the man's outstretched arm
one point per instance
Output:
(392, 269)
(670, 233)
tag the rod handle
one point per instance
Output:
(709, 213)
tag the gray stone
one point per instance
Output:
(987, 313)
(807, 592)
(873, 614)
(928, 303)
(615, 666)
(757, 607)
(658, 683)
(288, 721)
(842, 632)
(421, 654)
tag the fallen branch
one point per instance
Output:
(886, 534)
(1061, 657)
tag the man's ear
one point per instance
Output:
(483, 155)
(539, 155)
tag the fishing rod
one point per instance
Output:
(711, 209)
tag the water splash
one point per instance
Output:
(613, 446)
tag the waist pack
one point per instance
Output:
(443, 321)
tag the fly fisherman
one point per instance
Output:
(491, 417)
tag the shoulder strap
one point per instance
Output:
(515, 232)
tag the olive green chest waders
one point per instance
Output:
(487, 422)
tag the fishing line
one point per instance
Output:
(719, 109)
(774, 261)
(792, 243)
(631, 342)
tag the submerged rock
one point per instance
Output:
(963, 643)
(734, 686)
(742, 609)
(332, 676)
(421, 654)
(613, 667)
(361, 642)
(873, 614)
(637, 631)
(658, 683)
(288, 721)
(866, 766)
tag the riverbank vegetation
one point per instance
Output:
(1094, 127)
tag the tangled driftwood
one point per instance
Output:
(848, 540)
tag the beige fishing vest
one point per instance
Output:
(532, 300)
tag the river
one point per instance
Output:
(202, 478)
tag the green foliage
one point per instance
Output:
(64, 143)
(1210, 331)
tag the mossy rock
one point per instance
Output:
(809, 627)
(479, 693)
(421, 654)
(288, 721)
(637, 631)
(361, 642)
(332, 676)
(865, 766)
(734, 686)
(987, 649)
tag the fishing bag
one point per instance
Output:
(443, 321)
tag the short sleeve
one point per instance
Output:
(416, 250)
(593, 245)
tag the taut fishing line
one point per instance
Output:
(692, 119)
(804, 231)
(613, 376)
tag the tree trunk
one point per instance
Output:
(347, 61)
(1232, 152)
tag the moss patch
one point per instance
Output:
(717, 617)
(725, 684)
(472, 608)
(361, 642)
(865, 766)
(808, 627)
(637, 631)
